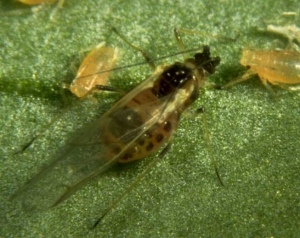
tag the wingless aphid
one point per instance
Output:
(278, 67)
(136, 126)
(99, 59)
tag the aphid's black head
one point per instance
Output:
(203, 60)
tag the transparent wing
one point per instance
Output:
(78, 162)
(85, 157)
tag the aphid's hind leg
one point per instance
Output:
(209, 145)
(145, 55)
(135, 182)
(207, 139)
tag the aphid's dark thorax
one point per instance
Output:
(203, 62)
(172, 78)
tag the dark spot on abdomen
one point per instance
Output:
(167, 126)
(159, 137)
(150, 146)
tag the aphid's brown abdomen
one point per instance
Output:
(133, 133)
(151, 141)
(277, 67)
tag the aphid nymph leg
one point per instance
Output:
(245, 77)
(265, 82)
(109, 89)
(249, 74)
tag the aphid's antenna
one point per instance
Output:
(142, 63)
(145, 55)
(134, 183)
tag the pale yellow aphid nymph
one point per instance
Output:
(278, 67)
(99, 59)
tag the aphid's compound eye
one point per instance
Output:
(248, 66)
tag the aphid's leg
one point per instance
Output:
(135, 182)
(109, 89)
(265, 82)
(145, 55)
(209, 145)
(100, 88)
(245, 77)
(208, 140)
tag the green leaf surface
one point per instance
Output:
(255, 137)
